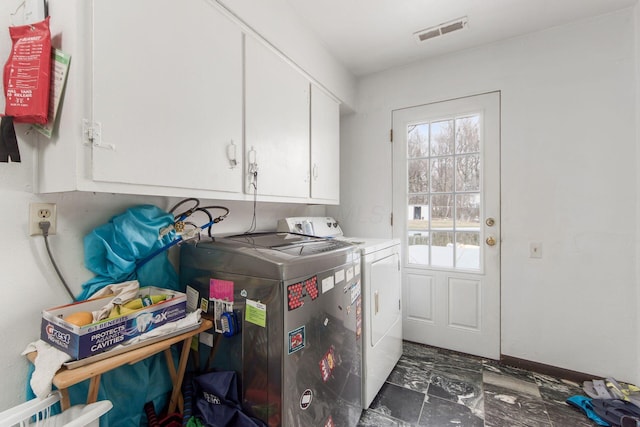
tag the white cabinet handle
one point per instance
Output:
(231, 154)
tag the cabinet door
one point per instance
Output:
(325, 146)
(167, 91)
(277, 123)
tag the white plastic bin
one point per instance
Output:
(76, 416)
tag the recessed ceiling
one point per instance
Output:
(372, 35)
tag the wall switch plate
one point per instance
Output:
(42, 212)
(535, 250)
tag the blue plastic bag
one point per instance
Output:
(114, 250)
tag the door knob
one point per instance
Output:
(491, 241)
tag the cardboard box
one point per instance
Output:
(84, 341)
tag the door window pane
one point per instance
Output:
(468, 250)
(468, 134)
(442, 249)
(418, 140)
(418, 229)
(418, 176)
(444, 194)
(468, 172)
(442, 138)
(468, 211)
(442, 174)
(442, 211)
(418, 247)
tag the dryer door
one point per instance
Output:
(384, 292)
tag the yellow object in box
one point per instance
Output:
(144, 301)
(79, 318)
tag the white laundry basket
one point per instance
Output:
(76, 416)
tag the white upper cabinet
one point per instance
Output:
(167, 95)
(276, 124)
(325, 147)
(176, 98)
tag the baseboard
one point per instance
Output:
(541, 368)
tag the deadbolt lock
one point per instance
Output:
(490, 222)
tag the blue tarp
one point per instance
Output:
(112, 252)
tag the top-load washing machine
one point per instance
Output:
(381, 298)
(297, 343)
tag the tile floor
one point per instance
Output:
(435, 387)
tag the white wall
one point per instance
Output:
(276, 21)
(568, 179)
(27, 279)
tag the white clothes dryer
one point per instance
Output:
(381, 298)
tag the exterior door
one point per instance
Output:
(447, 214)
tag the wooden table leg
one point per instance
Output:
(182, 365)
(65, 403)
(94, 385)
(173, 375)
(172, 369)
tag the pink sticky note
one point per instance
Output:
(221, 289)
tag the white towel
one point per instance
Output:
(125, 291)
(47, 363)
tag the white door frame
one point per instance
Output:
(447, 307)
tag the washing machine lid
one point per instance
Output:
(280, 256)
(290, 243)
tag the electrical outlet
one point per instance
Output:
(42, 212)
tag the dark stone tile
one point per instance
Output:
(439, 412)
(452, 362)
(515, 384)
(557, 390)
(414, 374)
(464, 388)
(419, 351)
(374, 419)
(505, 407)
(398, 402)
(496, 367)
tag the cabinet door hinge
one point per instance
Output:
(392, 219)
(92, 135)
(391, 135)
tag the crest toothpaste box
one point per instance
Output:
(83, 341)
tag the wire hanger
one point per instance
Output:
(22, 5)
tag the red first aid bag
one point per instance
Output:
(27, 73)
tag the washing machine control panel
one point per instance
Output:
(320, 226)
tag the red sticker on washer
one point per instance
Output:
(295, 296)
(297, 292)
(311, 286)
(327, 364)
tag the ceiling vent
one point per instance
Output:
(442, 29)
